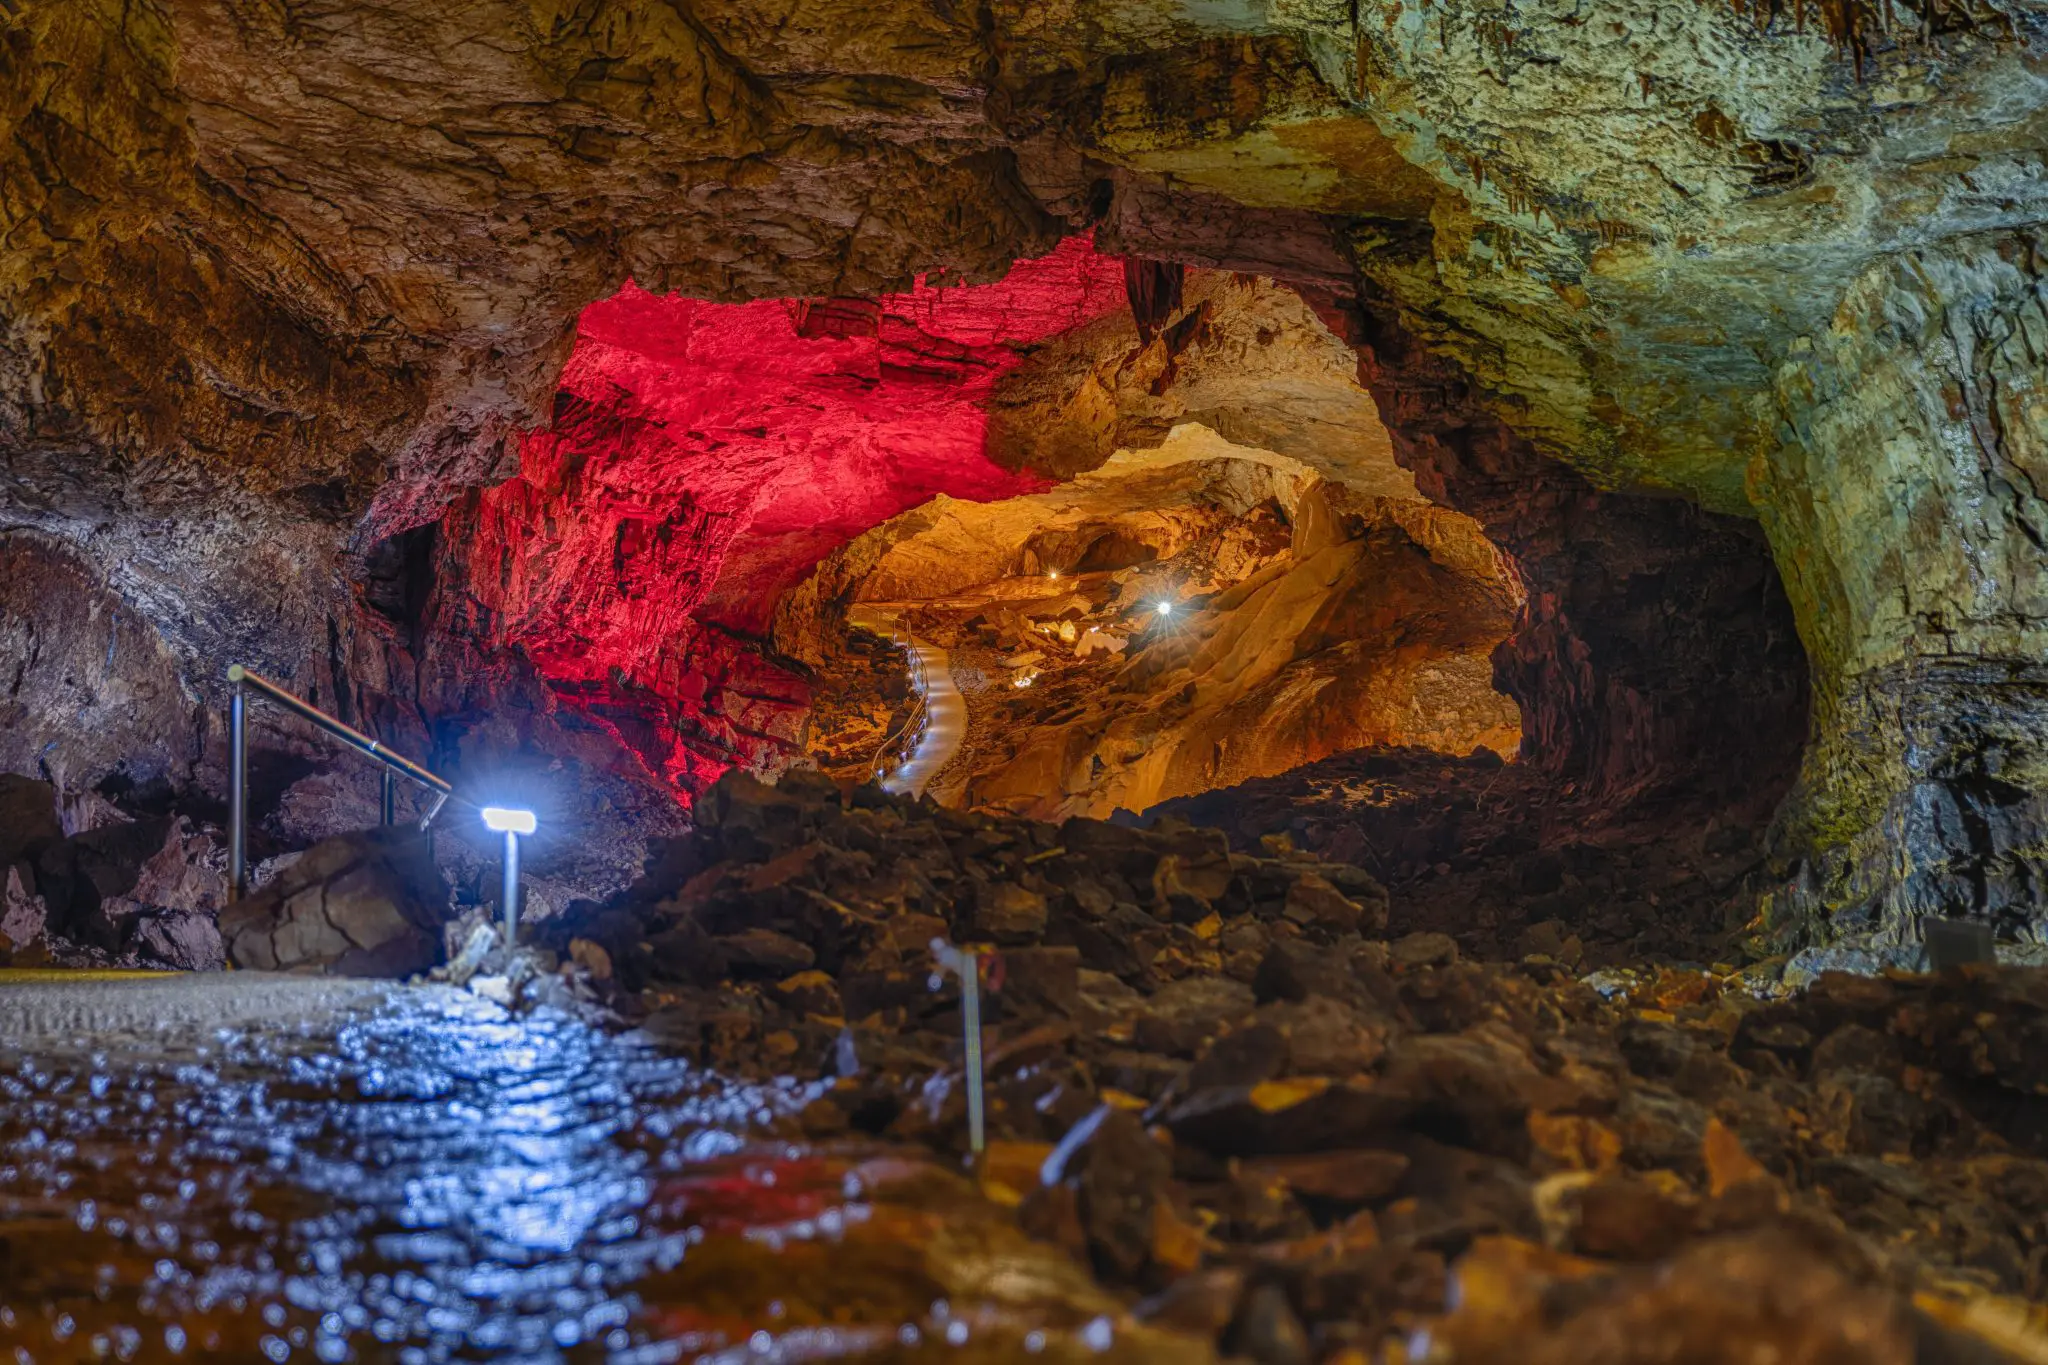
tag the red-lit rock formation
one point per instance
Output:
(702, 459)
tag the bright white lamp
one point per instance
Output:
(511, 824)
(501, 820)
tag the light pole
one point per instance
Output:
(238, 788)
(511, 824)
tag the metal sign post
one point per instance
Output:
(965, 963)
(512, 824)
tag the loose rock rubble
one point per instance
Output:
(124, 892)
(1498, 856)
(1211, 1080)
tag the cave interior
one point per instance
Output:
(1405, 646)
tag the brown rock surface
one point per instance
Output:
(274, 291)
(369, 904)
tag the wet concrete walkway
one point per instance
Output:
(945, 726)
(235, 1168)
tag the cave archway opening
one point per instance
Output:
(721, 481)
(1182, 618)
(714, 472)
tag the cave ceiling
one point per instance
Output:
(342, 247)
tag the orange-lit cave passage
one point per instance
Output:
(1179, 619)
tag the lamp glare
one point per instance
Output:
(503, 820)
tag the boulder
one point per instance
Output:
(187, 940)
(98, 887)
(166, 916)
(365, 904)
(75, 875)
(28, 817)
(1010, 914)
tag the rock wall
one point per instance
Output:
(89, 693)
(1906, 501)
(276, 289)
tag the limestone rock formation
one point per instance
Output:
(1304, 618)
(1910, 471)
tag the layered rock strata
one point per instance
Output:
(1906, 492)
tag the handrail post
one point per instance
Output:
(242, 681)
(238, 793)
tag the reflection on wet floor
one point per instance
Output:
(426, 1178)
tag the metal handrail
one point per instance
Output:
(903, 739)
(244, 679)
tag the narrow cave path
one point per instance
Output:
(945, 725)
(932, 677)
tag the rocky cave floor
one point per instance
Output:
(1217, 1081)
(1277, 1106)
(1494, 855)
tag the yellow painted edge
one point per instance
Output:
(22, 976)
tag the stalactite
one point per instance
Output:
(1154, 288)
